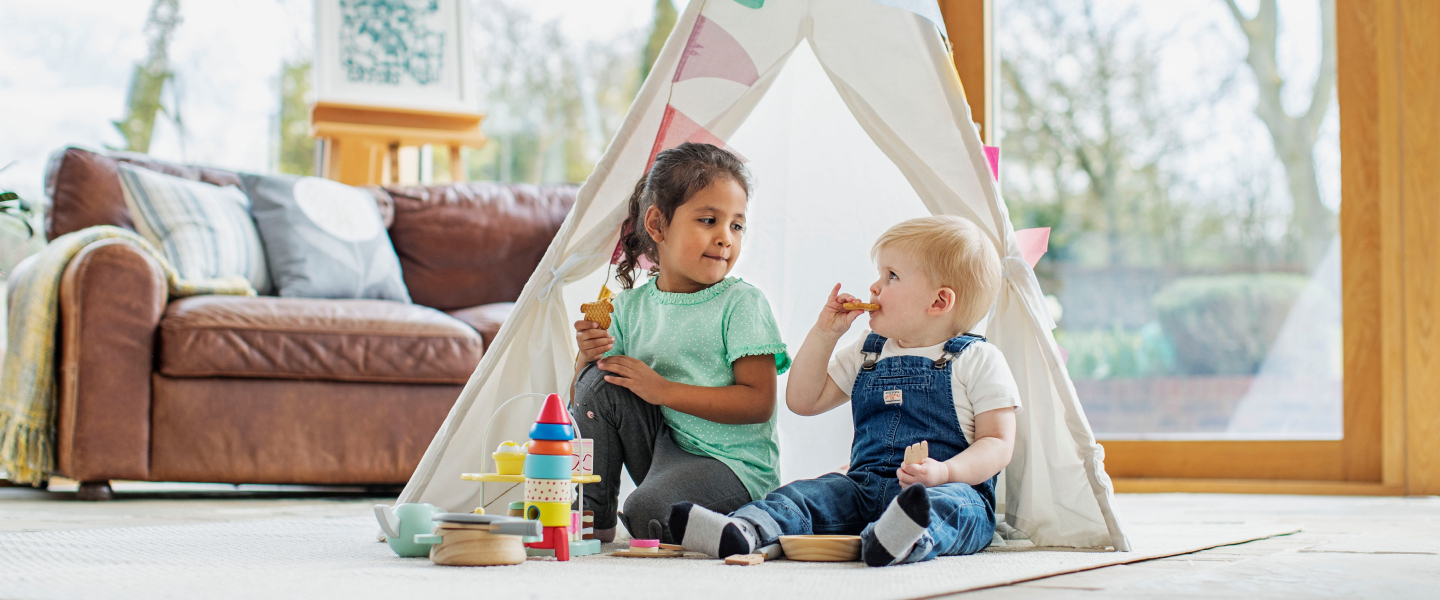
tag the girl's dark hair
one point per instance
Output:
(678, 174)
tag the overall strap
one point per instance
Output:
(874, 343)
(955, 346)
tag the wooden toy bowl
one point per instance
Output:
(821, 548)
(466, 545)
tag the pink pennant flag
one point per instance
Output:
(1033, 243)
(676, 129)
(713, 52)
(643, 261)
(992, 156)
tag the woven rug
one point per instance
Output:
(338, 558)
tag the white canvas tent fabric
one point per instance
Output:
(891, 70)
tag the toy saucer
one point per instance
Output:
(473, 518)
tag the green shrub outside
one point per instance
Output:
(1117, 352)
(1224, 325)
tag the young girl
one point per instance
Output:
(683, 391)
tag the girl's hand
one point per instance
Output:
(593, 342)
(834, 319)
(635, 376)
(931, 473)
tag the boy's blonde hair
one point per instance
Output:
(953, 252)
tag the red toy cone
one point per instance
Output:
(554, 411)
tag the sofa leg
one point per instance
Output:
(95, 491)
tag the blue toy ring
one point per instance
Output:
(551, 431)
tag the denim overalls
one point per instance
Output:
(896, 402)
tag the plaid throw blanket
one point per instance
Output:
(27, 385)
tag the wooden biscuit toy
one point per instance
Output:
(917, 453)
(860, 306)
(599, 310)
(748, 560)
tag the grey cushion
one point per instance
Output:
(324, 239)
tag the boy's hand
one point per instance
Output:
(635, 376)
(834, 319)
(593, 342)
(931, 473)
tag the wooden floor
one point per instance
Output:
(1349, 547)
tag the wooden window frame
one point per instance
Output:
(1391, 330)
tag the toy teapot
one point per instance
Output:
(403, 523)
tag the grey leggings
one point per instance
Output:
(631, 432)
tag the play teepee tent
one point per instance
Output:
(887, 61)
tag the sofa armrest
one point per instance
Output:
(111, 299)
(485, 319)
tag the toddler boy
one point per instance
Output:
(916, 376)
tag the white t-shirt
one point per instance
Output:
(980, 378)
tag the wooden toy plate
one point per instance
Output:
(821, 548)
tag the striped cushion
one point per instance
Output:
(204, 230)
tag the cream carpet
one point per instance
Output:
(338, 558)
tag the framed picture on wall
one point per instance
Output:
(394, 53)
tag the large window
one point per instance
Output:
(227, 84)
(557, 77)
(1185, 155)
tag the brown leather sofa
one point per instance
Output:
(279, 390)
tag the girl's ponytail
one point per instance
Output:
(678, 174)
(634, 241)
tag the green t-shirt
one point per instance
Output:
(693, 339)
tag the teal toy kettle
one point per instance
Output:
(403, 523)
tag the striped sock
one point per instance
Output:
(902, 524)
(703, 530)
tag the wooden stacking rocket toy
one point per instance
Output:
(548, 488)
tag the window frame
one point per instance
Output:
(1370, 459)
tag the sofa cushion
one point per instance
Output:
(467, 244)
(486, 318)
(84, 188)
(324, 239)
(299, 338)
(204, 230)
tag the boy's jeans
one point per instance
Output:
(962, 519)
